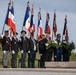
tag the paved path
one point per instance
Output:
(37, 71)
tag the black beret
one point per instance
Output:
(6, 31)
(23, 31)
(16, 33)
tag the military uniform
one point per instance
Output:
(66, 53)
(6, 50)
(32, 52)
(42, 51)
(23, 48)
(15, 45)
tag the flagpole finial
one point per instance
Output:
(33, 5)
(65, 16)
(12, 1)
(28, 2)
(39, 9)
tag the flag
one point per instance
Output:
(54, 26)
(65, 30)
(32, 25)
(39, 29)
(26, 22)
(6, 19)
(10, 18)
(11, 21)
(47, 26)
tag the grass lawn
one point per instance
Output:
(72, 58)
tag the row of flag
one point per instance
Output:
(10, 17)
(29, 23)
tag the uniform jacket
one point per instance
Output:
(42, 47)
(15, 44)
(31, 45)
(24, 43)
(6, 43)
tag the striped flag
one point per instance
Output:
(32, 25)
(6, 20)
(10, 17)
(47, 26)
(54, 26)
(65, 30)
(39, 24)
(26, 22)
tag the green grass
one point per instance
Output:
(72, 58)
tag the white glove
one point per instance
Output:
(4, 51)
(46, 44)
(13, 52)
(28, 51)
(55, 42)
(1, 36)
(40, 54)
(59, 43)
(22, 51)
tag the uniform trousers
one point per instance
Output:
(5, 58)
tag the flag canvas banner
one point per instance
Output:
(47, 26)
(54, 27)
(11, 21)
(65, 30)
(10, 18)
(32, 25)
(26, 22)
(39, 25)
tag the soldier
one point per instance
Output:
(58, 52)
(32, 51)
(49, 51)
(6, 48)
(42, 51)
(23, 47)
(66, 53)
(47, 41)
(15, 45)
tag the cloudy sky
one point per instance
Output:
(62, 7)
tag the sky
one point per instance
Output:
(62, 7)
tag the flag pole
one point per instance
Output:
(32, 13)
(37, 26)
(64, 24)
(3, 29)
(53, 25)
(4, 24)
(12, 5)
(24, 17)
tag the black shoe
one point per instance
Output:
(5, 67)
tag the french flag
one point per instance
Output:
(65, 30)
(10, 20)
(26, 22)
(32, 25)
(39, 24)
(47, 26)
(54, 27)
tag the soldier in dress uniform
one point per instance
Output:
(32, 51)
(23, 47)
(14, 45)
(66, 53)
(6, 48)
(47, 58)
(42, 51)
(58, 52)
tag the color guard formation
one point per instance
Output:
(30, 46)
(49, 49)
